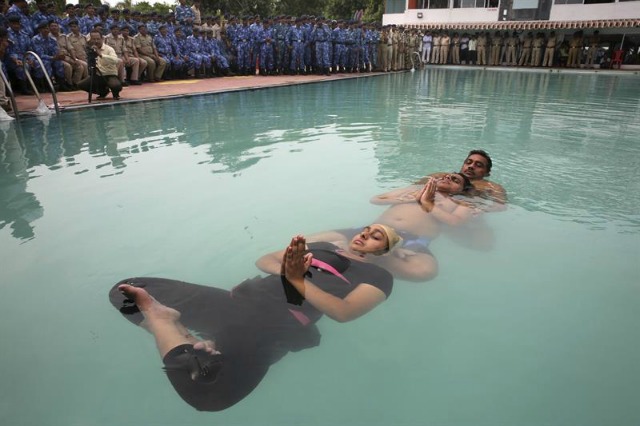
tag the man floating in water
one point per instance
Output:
(477, 167)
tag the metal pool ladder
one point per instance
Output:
(42, 108)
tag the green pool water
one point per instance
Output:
(538, 329)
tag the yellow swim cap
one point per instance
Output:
(392, 235)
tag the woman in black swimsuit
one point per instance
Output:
(247, 329)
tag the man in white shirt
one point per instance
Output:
(105, 73)
(427, 41)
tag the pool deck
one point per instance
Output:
(179, 88)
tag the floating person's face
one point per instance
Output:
(475, 167)
(372, 239)
(453, 183)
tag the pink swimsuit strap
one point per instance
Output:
(326, 267)
(301, 317)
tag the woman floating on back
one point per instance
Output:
(245, 330)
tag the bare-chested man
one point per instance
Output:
(418, 213)
(477, 166)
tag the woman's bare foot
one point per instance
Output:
(150, 307)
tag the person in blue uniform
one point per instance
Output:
(184, 17)
(89, 20)
(296, 40)
(153, 24)
(321, 35)
(46, 47)
(195, 47)
(265, 40)
(20, 8)
(307, 26)
(129, 19)
(243, 47)
(39, 16)
(282, 58)
(113, 19)
(182, 51)
(219, 61)
(70, 12)
(16, 53)
(341, 49)
(167, 50)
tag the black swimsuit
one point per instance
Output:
(252, 325)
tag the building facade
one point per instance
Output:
(609, 16)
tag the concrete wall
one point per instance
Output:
(559, 12)
(433, 16)
(586, 12)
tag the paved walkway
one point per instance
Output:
(177, 88)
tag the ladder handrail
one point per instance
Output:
(46, 75)
(12, 96)
(413, 63)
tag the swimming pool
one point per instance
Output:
(542, 329)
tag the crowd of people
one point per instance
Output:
(512, 49)
(151, 47)
(217, 345)
(183, 44)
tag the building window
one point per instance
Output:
(394, 6)
(480, 4)
(438, 4)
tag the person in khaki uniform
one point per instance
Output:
(594, 43)
(396, 38)
(217, 28)
(455, 49)
(525, 54)
(77, 45)
(197, 16)
(143, 43)
(402, 49)
(511, 48)
(412, 46)
(115, 41)
(575, 46)
(536, 52)
(445, 42)
(131, 59)
(496, 46)
(481, 47)
(547, 61)
(435, 52)
(73, 70)
(387, 49)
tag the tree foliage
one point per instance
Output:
(334, 9)
(340, 9)
(145, 6)
(297, 8)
